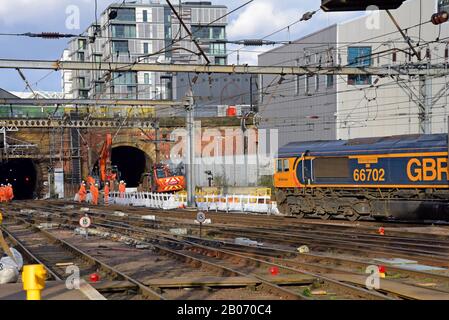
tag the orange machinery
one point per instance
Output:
(161, 180)
(106, 172)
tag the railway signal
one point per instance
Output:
(359, 5)
(201, 218)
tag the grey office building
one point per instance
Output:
(292, 104)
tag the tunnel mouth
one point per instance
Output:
(22, 174)
(131, 163)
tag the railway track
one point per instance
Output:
(237, 265)
(315, 263)
(42, 247)
(429, 249)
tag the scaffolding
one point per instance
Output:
(12, 148)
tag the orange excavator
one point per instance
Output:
(107, 172)
(161, 180)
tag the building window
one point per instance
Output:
(124, 78)
(97, 58)
(359, 57)
(99, 87)
(131, 91)
(84, 94)
(80, 56)
(126, 14)
(120, 46)
(146, 48)
(297, 85)
(82, 44)
(330, 81)
(166, 85)
(317, 82)
(145, 15)
(217, 49)
(123, 31)
(216, 33)
(146, 78)
(220, 61)
(307, 86)
(443, 5)
(200, 32)
(82, 82)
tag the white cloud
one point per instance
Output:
(261, 17)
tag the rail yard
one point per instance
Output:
(219, 159)
(136, 258)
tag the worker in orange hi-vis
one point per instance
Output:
(2, 193)
(90, 180)
(106, 194)
(95, 193)
(9, 192)
(122, 189)
(82, 193)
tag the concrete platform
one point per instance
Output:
(53, 291)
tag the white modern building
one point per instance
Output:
(314, 107)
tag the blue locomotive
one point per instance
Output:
(403, 177)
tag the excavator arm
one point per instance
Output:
(105, 158)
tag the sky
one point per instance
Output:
(256, 20)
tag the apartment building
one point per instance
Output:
(144, 31)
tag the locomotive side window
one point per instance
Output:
(331, 168)
(286, 165)
(279, 166)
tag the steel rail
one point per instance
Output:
(145, 291)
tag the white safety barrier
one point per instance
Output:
(226, 203)
(237, 203)
(149, 200)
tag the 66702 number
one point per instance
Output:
(369, 175)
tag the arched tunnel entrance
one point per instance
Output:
(131, 163)
(22, 174)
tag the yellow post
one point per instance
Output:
(1, 218)
(33, 278)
